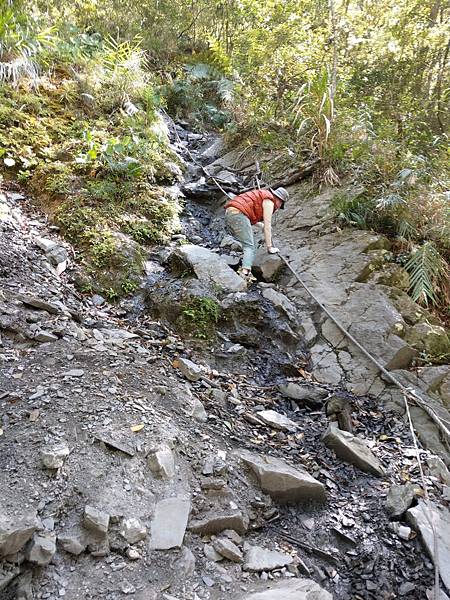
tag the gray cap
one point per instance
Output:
(281, 193)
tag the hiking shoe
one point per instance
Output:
(246, 275)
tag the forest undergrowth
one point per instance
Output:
(360, 88)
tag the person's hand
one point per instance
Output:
(273, 250)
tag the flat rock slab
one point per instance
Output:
(219, 521)
(260, 559)
(277, 420)
(281, 481)
(304, 393)
(111, 439)
(210, 267)
(15, 533)
(352, 450)
(419, 517)
(169, 523)
(189, 369)
(35, 302)
(293, 589)
(227, 549)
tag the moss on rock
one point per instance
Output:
(431, 340)
(94, 169)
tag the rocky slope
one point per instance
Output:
(139, 460)
(354, 274)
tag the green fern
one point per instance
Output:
(124, 56)
(427, 269)
(406, 230)
(21, 39)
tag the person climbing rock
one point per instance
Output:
(250, 208)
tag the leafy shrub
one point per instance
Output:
(21, 38)
(200, 92)
(201, 315)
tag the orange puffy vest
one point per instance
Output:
(251, 204)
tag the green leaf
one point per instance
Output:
(426, 268)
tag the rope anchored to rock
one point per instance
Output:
(409, 394)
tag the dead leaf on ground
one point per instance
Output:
(136, 428)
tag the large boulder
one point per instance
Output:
(430, 339)
(280, 301)
(411, 312)
(371, 318)
(393, 276)
(281, 481)
(209, 267)
(269, 266)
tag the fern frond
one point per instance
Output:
(390, 201)
(426, 268)
(198, 71)
(406, 230)
(225, 89)
(125, 56)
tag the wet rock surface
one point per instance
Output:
(101, 380)
(209, 267)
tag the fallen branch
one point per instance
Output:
(318, 551)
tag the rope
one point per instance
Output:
(429, 511)
(408, 394)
